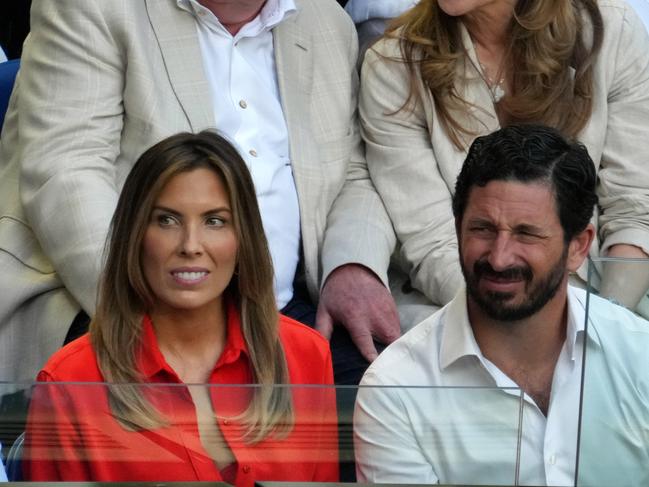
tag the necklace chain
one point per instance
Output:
(496, 88)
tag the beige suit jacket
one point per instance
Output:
(100, 82)
(414, 164)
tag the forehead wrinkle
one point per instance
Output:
(512, 205)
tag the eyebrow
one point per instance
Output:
(220, 209)
(480, 221)
(523, 227)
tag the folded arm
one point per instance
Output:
(623, 187)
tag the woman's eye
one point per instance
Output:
(166, 220)
(215, 221)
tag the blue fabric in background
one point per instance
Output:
(364, 10)
(8, 71)
(642, 9)
(3, 475)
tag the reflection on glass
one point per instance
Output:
(72, 434)
(614, 424)
(458, 435)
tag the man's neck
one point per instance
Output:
(527, 350)
(234, 14)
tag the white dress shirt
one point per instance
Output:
(464, 430)
(240, 70)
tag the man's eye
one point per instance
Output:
(528, 237)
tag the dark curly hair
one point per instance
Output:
(533, 153)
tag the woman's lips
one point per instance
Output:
(189, 277)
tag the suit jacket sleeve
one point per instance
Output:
(404, 168)
(70, 120)
(358, 227)
(623, 187)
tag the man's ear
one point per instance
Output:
(458, 229)
(578, 248)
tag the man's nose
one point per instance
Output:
(501, 254)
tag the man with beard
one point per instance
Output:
(501, 364)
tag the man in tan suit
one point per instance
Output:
(102, 81)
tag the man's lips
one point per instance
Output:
(483, 270)
(502, 279)
(501, 284)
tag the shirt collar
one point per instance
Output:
(151, 361)
(576, 319)
(457, 335)
(272, 13)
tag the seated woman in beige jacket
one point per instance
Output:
(447, 72)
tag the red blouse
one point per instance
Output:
(73, 436)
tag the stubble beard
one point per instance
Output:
(495, 304)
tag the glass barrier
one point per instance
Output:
(614, 422)
(164, 433)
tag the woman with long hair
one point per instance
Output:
(448, 71)
(186, 299)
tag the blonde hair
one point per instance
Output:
(124, 294)
(546, 39)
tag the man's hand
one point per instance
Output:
(357, 299)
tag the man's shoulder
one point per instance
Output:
(322, 12)
(330, 8)
(410, 359)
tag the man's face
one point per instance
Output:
(512, 250)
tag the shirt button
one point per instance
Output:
(246, 469)
(552, 459)
(226, 422)
(243, 104)
(252, 152)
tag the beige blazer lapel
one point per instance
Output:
(473, 88)
(294, 64)
(178, 42)
(294, 61)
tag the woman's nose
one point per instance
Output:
(191, 241)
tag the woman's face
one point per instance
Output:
(189, 250)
